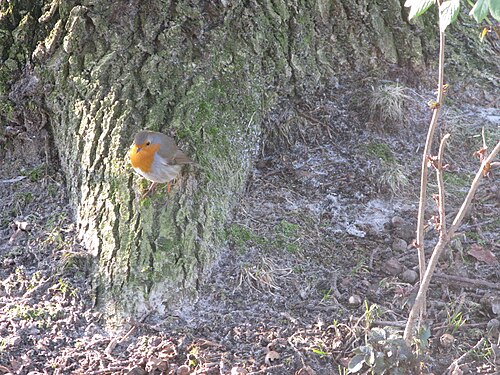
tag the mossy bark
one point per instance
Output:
(206, 72)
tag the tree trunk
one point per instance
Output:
(207, 73)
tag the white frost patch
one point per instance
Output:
(349, 217)
(353, 231)
(377, 213)
(491, 114)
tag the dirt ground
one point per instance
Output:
(318, 266)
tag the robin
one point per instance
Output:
(156, 157)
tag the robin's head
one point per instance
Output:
(144, 148)
(145, 140)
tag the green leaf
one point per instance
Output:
(370, 359)
(356, 364)
(480, 10)
(378, 334)
(448, 12)
(418, 7)
(495, 9)
(318, 352)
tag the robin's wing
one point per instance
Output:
(171, 153)
(181, 158)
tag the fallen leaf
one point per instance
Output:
(271, 356)
(306, 370)
(483, 255)
(155, 363)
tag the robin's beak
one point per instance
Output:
(137, 148)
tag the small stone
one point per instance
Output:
(183, 370)
(33, 331)
(446, 340)
(406, 232)
(393, 267)
(355, 300)
(403, 229)
(409, 276)
(491, 303)
(399, 245)
(493, 325)
(398, 221)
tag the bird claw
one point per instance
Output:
(151, 189)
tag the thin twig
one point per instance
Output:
(455, 365)
(461, 327)
(470, 282)
(440, 181)
(475, 184)
(484, 138)
(441, 244)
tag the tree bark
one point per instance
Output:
(207, 73)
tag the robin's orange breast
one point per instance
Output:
(142, 157)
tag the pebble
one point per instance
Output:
(398, 221)
(399, 245)
(446, 340)
(493, 325)
(183, 370)
(32, 331)
(355, 300)
(392, 267)
(409, 276)
(403, 228)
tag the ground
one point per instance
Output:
(318, 265)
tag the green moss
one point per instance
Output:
(457, 180)
(242, 236)
(287, 229)
(36, 174)
(43, 315)
(380, 150)
(24, 199)
(6, 109)
(287, 235)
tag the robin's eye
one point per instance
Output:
(148, 143)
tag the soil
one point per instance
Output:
(318, 266)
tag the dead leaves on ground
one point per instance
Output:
(483, 255)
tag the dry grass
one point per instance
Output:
(388, 104)
(394, 178)
(263, 277)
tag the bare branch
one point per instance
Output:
(441, 245)
(439, 175)
(424, 168)
(475, 184)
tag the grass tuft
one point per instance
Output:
(387, 104)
